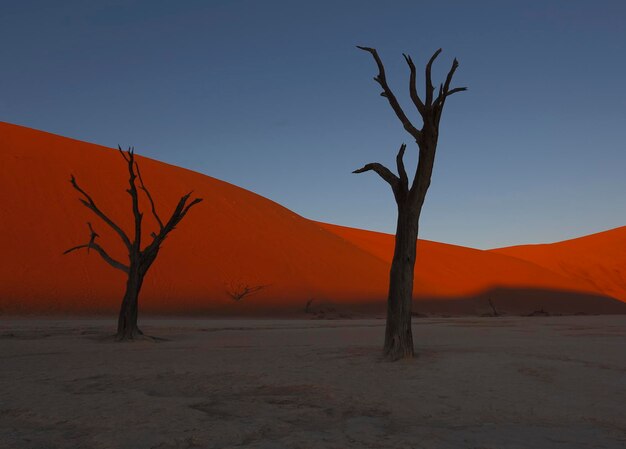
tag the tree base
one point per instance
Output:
(398, 342)
(130, 334)
(397, 351)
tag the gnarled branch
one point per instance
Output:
(382, 171)
(181, 209)
(404, 179)
(96, 247)
(145, 190)
(387, 93)
(445, 91)
(429, 84)
(129, 157)
(455, 90)
(89, 203)
(417, 101)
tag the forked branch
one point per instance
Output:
(181, 209)
(389, 95)
(89, 203)
(134, 247)
(96, 247)
(430, 105)
(404, 179)
(430, 110)
(382, 171)
(445, 91)
(399, 183)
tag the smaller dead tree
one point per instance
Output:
(140, 259)
(493, 308)
(238, 291)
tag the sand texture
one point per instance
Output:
(523, 382)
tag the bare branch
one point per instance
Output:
(445, 92)
(429, 85)
(93, 245)
(412, 85)
(189, 206)
(129, 157)
(383, 172)
(123, 153)
(455, 65)
(145, 190)
(382, 80)
(455, 90)
(91, 205)
(179, 213)
(404, 179)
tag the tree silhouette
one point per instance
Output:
(139, 259)
(239, 290)
(409, 198)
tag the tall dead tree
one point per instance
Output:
(139, 259)
(409, 197)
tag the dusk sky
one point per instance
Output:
(274, 97)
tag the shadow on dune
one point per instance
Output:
(507, 301)
(523, 301)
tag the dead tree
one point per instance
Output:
(493, 307)
(140, 259)
(409, 197)
(240, 290)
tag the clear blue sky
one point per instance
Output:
(274, 97)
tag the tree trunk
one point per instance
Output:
(127, 328)
(398, 333)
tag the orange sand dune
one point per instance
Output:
(453, 272)
(599, 259)
(233, 237)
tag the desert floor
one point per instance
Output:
(540, 382)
